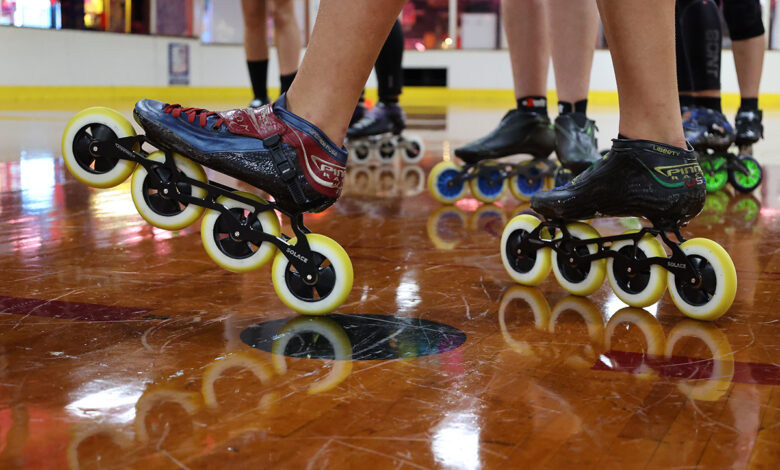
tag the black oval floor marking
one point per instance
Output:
(368, 337)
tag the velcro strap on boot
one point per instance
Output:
(285, 165)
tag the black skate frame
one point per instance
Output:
(472, 171)
(677, 264)
(299, 255)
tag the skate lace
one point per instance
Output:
(176, 110)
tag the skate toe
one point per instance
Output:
(147, 109)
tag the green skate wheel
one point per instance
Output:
(441, 184)
(528, 269)
(712, 297)
(158, 208)
(746, 182)
(489, 185)
(716, 174)
(82, 159)
(331, 286)
(637, 288)
(227, 249)
(576, 278)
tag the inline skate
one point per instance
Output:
(269, 148)
(711, 135)
(749, 128)
(378, 135)
(576, 145)
(658, 182)
(519, 132)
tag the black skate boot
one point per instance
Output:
(750, 128)
(707, 129)
(378, 133)
(637, 178)
(576, 145)
(518, 133)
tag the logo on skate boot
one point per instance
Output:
(326, 173)
(689, 174)
(666, 151)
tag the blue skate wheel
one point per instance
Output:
(525, 186)
(441, 184)
(490, 183)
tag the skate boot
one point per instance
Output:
(750, 129)
(518, 133)
(707, 129)
(378, 134)
(258, 102)
(576, 145)
(661, 183)
(269, 148)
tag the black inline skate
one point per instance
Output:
(518, 133)
(750, 129)
(269, 148)
(661, 183)
(576, 145)
(711, 135)
(378, 135)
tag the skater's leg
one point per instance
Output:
(640, 34)
(389, 70)
(287, 36)
(344, 46)
(574, 27)
(256, 46)
(700, 33)
(527, 33)
(748, 43)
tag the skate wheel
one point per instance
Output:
(161, 210)
(576, 278)
(715, 173)
(746, 182)
(713, 297)
(385, 150)
(488, 218)
(525, 186)
(638, 288)
(330, 289)
(231, 252)
(91, 168)
(360, 152)
(445, 227)
(439, 182)
(489, 185)
(529, 269)
(413, 149)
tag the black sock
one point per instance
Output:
(748, 104)
(708, 102)
(565, 107)
(286, 81)
(686, 100)
(533, 104)
(389, 99)
(258, 75)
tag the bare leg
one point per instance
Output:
(344, 45)
(287, 36)
(749, 60)
(255, 31)
(574, 26)
(641, 39)
(527, 32)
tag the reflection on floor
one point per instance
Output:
(124, 346)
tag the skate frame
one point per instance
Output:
(677, 264)
(299, 255)
(508, 170)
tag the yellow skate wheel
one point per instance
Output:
(579, 279)
(490, 183)
(330, 287)
(528, 268)
(712, 297)
(638, 288)
(440, 183)
(158, 208)
(226, 248)
(82, 158)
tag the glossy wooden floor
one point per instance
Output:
(124, 346)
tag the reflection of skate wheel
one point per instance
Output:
(530, 268)
(535, 301)
(362, 179)
(188, 401)
(386, 149)
(745, 209)
(716, 174)
(445, 227)
(412, 180)
(746, 182)
(226, 248)
(155, 206)
(441, 185)
(594, 322)
(412, 149)
(360, 152)
(490, 184)
(85, 162)
(722, 372)
(637, 288)
(651, 331)
(577, 278)
(488, 218)
(300, 333)
(249, 360)
(387, 180)
(329, 288)
(713, 295)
